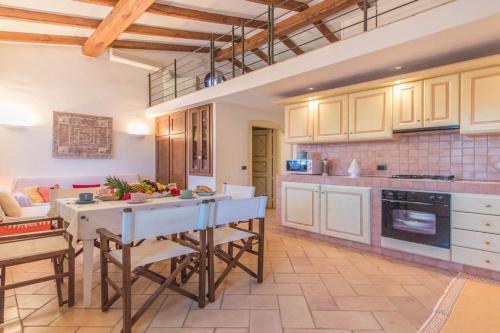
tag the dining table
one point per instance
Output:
(84, 219)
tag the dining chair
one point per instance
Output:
(135, 262)
(226, 213)
(36, 246)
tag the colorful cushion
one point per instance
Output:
(24, 228)
(85, 185)
(9, 205)
(45, 193)
(33, 194)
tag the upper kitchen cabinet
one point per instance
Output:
(442, 101)
(200, 141)
(480, 103)
(407, 106)
(299, 123)
(370, 114)
(178, 123)
(331, 119)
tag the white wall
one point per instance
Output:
(232, 140)
(40, 79)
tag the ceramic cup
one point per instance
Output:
(85, 197)
(186, 194)
(138, 196)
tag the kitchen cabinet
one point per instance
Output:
(330, 119)
(345, 212)
(475, 232)
(407, 107)
(200, 141)
(480, 101)
(171, 149)
(300, 206)
(370, 114)
(299, 122)
(442, 101)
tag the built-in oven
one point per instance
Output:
(416, 217)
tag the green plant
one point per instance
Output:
(120, 185)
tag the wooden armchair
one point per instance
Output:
(30, 247)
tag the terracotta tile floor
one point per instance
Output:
(309, 286)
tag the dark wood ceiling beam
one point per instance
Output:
(238, 64)
(312, 14)
(291, 45)
(91, 23)
(123, 14)
(298, 6)
(189, 14)
(259, 53)
(24, 37)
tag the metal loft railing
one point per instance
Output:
(205, 67)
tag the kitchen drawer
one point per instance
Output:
(477, 258)
(476, 203)
(476, 222)
(476, 240)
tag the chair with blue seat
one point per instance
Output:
(135, 261)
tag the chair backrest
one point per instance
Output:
(143, 224)
(228, 211)
(66, 193)
(238, 191)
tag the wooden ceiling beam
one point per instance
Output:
(189, 14)
(92, 23)
(312, 14)
(24, 37)
(297, 6)
(238, 64)
(123, 14)
(261, 54)
(291, 45)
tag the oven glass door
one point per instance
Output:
(416, 222)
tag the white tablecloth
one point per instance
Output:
(85, 219)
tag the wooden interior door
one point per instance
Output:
(262, 164)
(163, 159)
(178, 160)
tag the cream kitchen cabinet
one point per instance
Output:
(370, 114)
(300, 206)
(331, 119)
(442, 101)
(407, 106)
(299, 122)
(345, 212)
(480, 101)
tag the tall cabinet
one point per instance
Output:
(200, 140)
(171, 149)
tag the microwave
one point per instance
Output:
(307, 167)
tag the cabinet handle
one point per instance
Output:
(418, 120)
(487, 261)
(428, 119)
(487, 206)
(487, 224)
(487, 243)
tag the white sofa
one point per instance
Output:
(39, 211)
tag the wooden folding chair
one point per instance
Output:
(30, 247)
(135, 262)
(227, 212)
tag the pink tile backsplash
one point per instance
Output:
(466, 157)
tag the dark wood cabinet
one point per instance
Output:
(171, 149)
(200, 140)
(163, 125)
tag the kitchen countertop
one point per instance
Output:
(459, 185)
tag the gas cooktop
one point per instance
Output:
(431, 177)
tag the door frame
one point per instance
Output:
(277, 139)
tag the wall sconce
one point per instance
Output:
(138, 129)
(15, 116)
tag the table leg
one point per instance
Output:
(88, 255)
